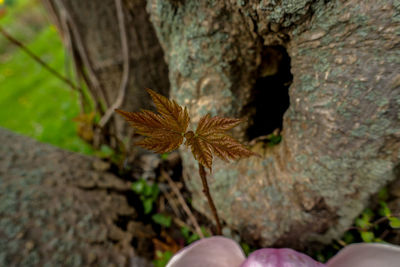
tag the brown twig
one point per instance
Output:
(384, 234)
(171, 202)
(80, 46)
(206, 191)
(380, 220)
(174, 207)
(182, 201)
(181, 223)
(39, 60)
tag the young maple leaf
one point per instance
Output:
(164, 132)
(210, 137)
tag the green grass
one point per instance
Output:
(32, 101)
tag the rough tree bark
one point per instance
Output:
(336, 62)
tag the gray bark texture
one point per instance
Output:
(340, 134)
(59, 208)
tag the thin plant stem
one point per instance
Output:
(206, 191)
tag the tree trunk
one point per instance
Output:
(340, 134)
(95, 34)
(332, 69)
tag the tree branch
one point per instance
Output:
(125, 73)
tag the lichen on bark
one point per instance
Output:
(341, 131)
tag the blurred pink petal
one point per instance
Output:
(367, 255)
(284, 257)
(214, 251)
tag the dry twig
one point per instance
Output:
(183, 203)
(174, 207)
(171, 201)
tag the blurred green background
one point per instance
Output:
(33, 102)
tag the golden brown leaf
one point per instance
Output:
(201, 150)
(164, 132)
(210, 137)
(177, 117)
(208, 125)
(226, 147)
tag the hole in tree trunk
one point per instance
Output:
(269, 96)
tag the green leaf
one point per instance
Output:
(384, 210)
(246, 248)
(139, 186)
(348, 238)
(364, 221)
(205, 232)
(147, 205)
(154, 191)
(164, 156)
(192, 238)
(105, 151)
(361, 223)
(394, 222)
(367, 236)
(185, 232)
(162, 219)
(368, 214)
(189, 236)
(163, 258)
(274, 139)
(151, 191)
(147, 191)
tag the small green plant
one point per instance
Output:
(162, 219)
(190, 237)
(369, 224)
(365, 225)
(384, 211)
(274, 139)
(164, 156)
(246, 248)
(148, 194)
(162, 258)
(373, 225)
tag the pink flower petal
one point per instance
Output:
(214, 251)
(367, 255)
(284, 257)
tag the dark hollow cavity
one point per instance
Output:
(270, 94)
